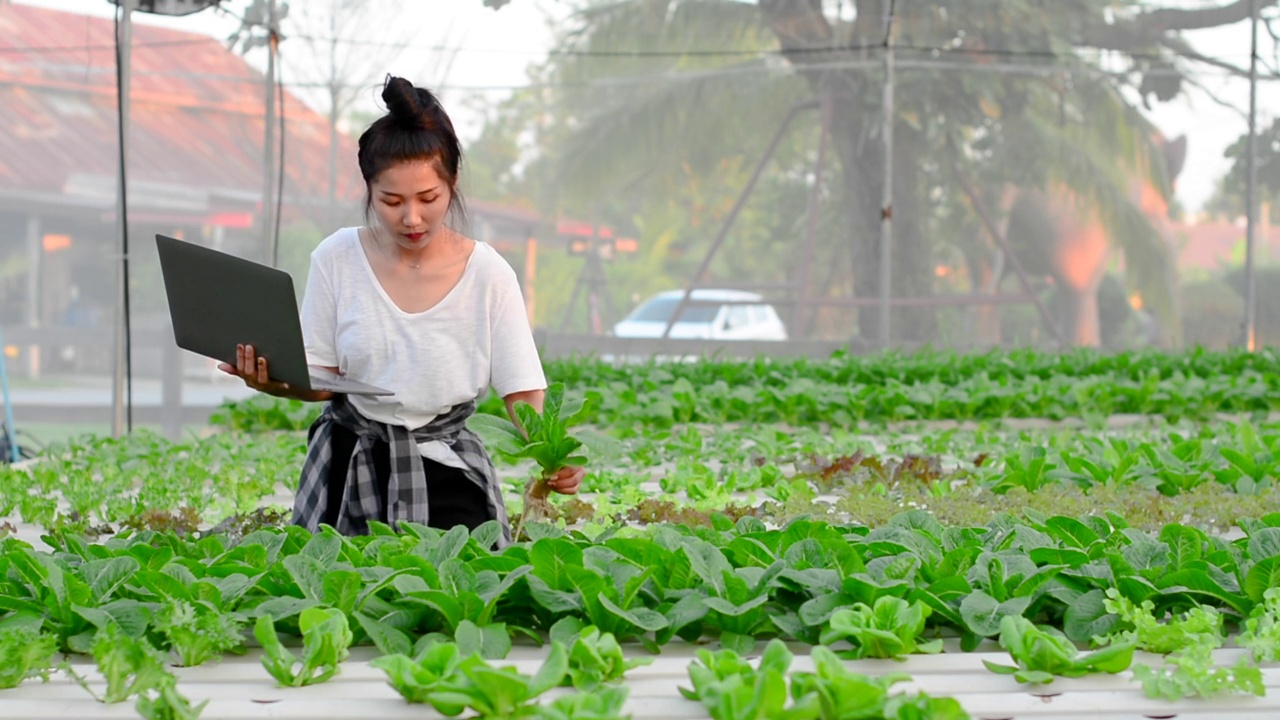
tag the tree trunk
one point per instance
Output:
(983, 321)
(801, 26)
(913, 260)
(1081, 314)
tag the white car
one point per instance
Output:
(709, 315)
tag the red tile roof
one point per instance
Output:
(197, 111)
(1219, 245)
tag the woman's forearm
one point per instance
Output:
(533, 397)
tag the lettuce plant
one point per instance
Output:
(544, 438)
(1043, 653)
(197, 632)
(326, 638)
(25, 652)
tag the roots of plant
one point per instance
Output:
(537, 507)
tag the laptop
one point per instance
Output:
(217, 301)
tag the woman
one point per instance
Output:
(409, 304)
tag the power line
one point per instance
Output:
(17, 49)
(635, 80)
(630, 54)
(735, 52)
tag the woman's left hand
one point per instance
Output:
(567, 480)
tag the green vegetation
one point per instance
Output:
(1068, 546)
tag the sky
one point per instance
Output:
(495, 47)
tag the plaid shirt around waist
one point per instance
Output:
(407, 486)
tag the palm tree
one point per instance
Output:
(1012, 95)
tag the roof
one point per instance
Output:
(196, 121)
(1218, 245)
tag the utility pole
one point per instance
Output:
(121, 357)
(1251, 192)
(886, 196)
(335, 91)
(269, 139)
(265, 14)
(122, 371)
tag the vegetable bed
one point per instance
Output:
(792, 540)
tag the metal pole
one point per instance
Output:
(11, 434)
(733, 213)
(1251, 192)
(593, 266)
(1003, 244)
(335, 90)
(122, 274)
(35, 287)
(886, 203)
(269, 140)
(799, 318)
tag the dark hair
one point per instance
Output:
(415, 127)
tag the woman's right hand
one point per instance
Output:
(252, 369)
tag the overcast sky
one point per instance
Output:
(497, 46)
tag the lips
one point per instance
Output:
(414, 236)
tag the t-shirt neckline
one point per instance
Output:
(382, 291)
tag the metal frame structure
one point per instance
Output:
(122, 374)
(803, 300)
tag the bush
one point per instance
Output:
(1211, 314)
(1021, 324)
(1267, 304)
(1114, 314)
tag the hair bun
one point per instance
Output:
(410, 107)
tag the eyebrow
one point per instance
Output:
(420, 192)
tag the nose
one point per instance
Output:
(412, 215)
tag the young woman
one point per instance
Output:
(409, 304)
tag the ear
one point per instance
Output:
(1175, 156)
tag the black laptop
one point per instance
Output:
(217, 301)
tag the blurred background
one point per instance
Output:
(777, 176)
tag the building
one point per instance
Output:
(196, 170)
(196, 136)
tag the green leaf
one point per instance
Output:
(342, 589)
(552, 671)
(388, 640)
(106, 576)
(709, 563)
(491, 642)
(739, 643)
(982, 613)
(1087, 617)
(1264, 543)
(1186, 545)
(308, 573)
(642, 618)
(1262, 577)
(487, 533)
(323, 547)
(281, 608)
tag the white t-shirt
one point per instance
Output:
(475, 338)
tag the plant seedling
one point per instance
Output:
(544, 438)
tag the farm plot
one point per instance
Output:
(912, 564)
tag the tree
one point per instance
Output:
(342, 70)
(1229, 197)
(1031, 96)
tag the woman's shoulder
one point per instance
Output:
(488, 262)
(337, 245)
